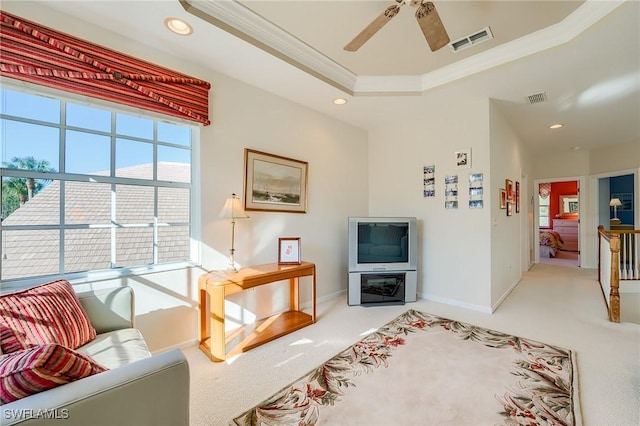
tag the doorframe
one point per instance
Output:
(594, 196)
(536, 212)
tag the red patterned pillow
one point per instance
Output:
(33, 370)
(49, 313)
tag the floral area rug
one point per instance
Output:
(421, 369)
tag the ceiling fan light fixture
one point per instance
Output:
(178, 26)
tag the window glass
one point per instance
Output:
(78, 217)
(174, 164)
(174, 133)
(134, 204)
(134, 247)
(88, 117)
(87, 203)
(543, 213)
(129, 125)
(134, 159)
(30, 201)
(76, 158)
(26, 105)
(173, 243)
(173, 205)
(87, 249)
(40, 259)
(30, 146)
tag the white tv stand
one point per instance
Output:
(382, 287)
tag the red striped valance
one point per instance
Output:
(40, 55)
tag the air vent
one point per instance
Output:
(537, 98)
(472, 39)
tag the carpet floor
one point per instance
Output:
(448, 367)
(557, 305)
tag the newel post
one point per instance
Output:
(614, 294)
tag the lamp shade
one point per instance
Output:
(615, 202)
(233, 208)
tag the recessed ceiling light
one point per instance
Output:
(556, 126)
(178, 26)
(339, 101)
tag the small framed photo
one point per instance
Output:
(503, 198)
(517, 195)
(289, 251)
(508, 186)
(463, 158)
(509, 208)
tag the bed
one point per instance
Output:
(550, 243)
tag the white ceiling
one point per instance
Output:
(584, 55)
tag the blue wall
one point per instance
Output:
(622, 187)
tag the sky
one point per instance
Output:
(88, 149)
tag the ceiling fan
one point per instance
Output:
(426, 15)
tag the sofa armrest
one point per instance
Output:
(152, 391)
(109, 309)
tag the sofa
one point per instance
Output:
(124, 383)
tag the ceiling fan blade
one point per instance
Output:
(432, 26)
(372, 28)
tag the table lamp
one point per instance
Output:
(615, 203)
(233, 210)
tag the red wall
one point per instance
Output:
(558, 189)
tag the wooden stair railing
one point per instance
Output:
(613, 304)
(614, 264)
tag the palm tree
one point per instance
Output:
(15, 190)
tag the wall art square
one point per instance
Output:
(463, 158)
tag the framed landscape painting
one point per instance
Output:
(274, 183)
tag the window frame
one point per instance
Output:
(547, 204)
(113, 180)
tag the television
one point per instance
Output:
(382, 244)
(382, 260)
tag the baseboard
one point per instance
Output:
(629, 286)
(505, 295)
(453, 302)
(183, 345)
(323, 299)
(191, 343)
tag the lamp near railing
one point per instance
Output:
(615, 203)
(233, 210)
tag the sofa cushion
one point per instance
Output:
(49, 313)
(117, 348)
(29, 371)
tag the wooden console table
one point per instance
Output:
(215, 286)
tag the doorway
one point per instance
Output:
(558, 222)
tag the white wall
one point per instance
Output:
(244, 117)
(454, 245)
(509, 234)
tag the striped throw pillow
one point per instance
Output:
(33, 370)
(49, 313)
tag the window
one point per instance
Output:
(543, 212)
(87, 188)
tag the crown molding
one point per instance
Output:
(247, 25)
(242, 22)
